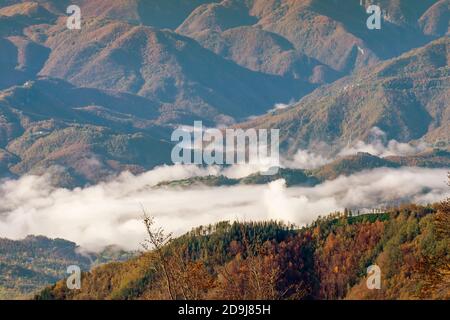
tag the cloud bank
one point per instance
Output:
(377, 145)
(109, 213)
(304, 159)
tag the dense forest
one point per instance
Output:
(268, 260)
(30, 264)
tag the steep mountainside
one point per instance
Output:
(328, 31)
(435, 21)
(20, 57)
(132, 81)
(332, 32)
(161, 65)
(90, 133)
(406, 97)
(156, 13)
(263, 51)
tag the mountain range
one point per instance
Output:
(100, 100)
(406, 97)
(84, 106)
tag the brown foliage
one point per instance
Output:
(435, 269)
(343, 252)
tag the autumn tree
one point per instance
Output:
(257, 272)
(435, 268)
(184, 278)
(156, 241)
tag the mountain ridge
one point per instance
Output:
(407, 101)
(145, 80)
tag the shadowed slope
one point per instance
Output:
(164, 66)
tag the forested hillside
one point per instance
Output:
(325, 260)
(406, 97)
(28, 265)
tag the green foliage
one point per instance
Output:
(28, 265)
(326, 260)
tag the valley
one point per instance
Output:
(86, 121)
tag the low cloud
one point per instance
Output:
(304, 159)
(279, 106)
(109, 213)
(276, 107)
(379, 146)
